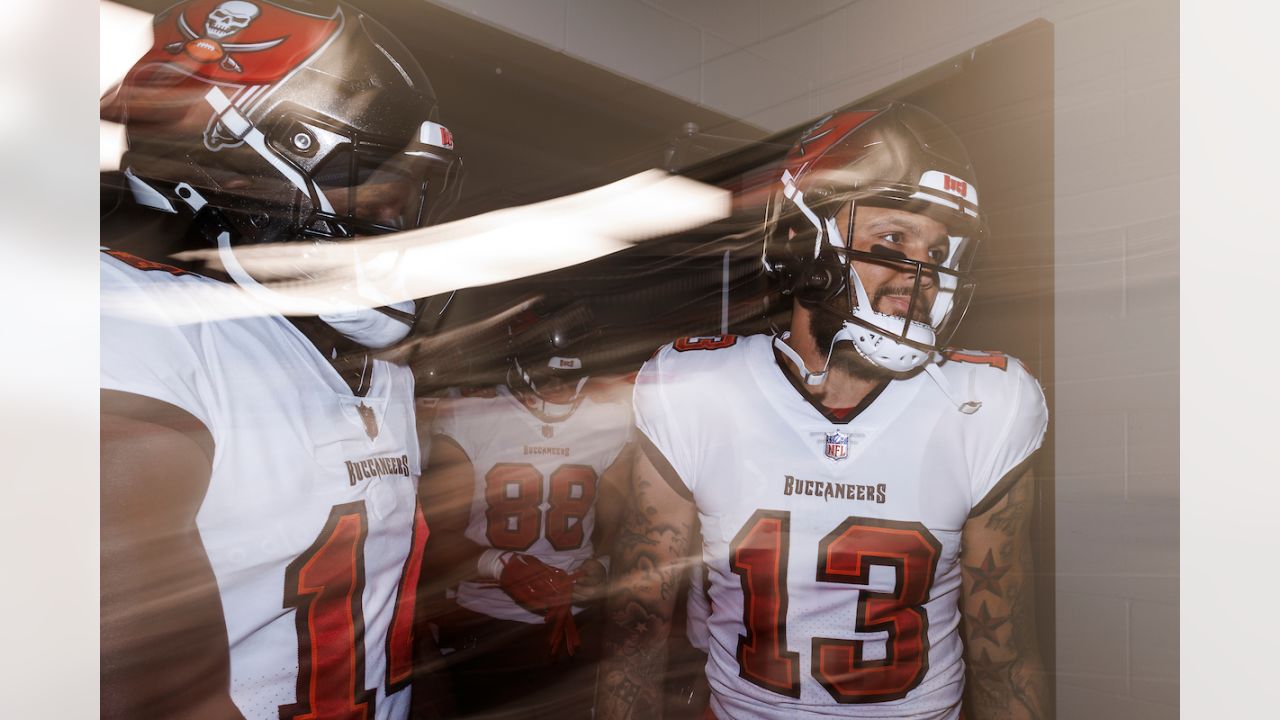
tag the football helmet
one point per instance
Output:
(286, 121)
(548, 363)
(897, 156)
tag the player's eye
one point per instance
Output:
(937, 254)
(894, 238)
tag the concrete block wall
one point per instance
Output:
(776, 63)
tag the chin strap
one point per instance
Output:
(881, 349)
(968, 407)
(549, 410)
(810, 378)
(555, 411)
(230, 263)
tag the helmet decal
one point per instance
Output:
(236, 42)
(433, 133)
(945, 189)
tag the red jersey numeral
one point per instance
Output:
(995, 359)
(141, 264)
(325, 587)
(706, 342)
(513, 492)
(513, 495)
(400, 636)
(571, 496)
(846, 555)
(759, 556)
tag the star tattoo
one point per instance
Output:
(984, 626)
(987, 576)
(985, 667)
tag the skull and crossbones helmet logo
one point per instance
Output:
(221, 23)
(229, 18)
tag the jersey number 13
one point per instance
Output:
(846, 555)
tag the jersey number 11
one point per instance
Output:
(325, 585)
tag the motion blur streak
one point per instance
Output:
(313, 279)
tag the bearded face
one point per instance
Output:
(844, 357)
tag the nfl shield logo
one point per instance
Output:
(837, 445)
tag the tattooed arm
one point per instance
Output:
(650, 555)
(1004, 674)
(610, 496)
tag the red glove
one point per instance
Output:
(546, 591)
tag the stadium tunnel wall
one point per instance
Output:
(774, 64)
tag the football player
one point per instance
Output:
(520, 487)
(863, 493)
(261, 539)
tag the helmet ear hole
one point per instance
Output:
(823, 279)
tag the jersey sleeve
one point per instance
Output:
(1017, 433)
(142, 352)
(661, 430)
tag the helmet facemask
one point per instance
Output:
(555, 386)
(937, 295)
(549, 358)
(303, 180)
(897, 158)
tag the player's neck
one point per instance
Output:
(843, 387)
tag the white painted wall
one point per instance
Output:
(776, 63)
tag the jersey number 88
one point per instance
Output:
(513, 495)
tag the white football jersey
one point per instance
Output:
(832, 545)
(535, 481)
(311, 510)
